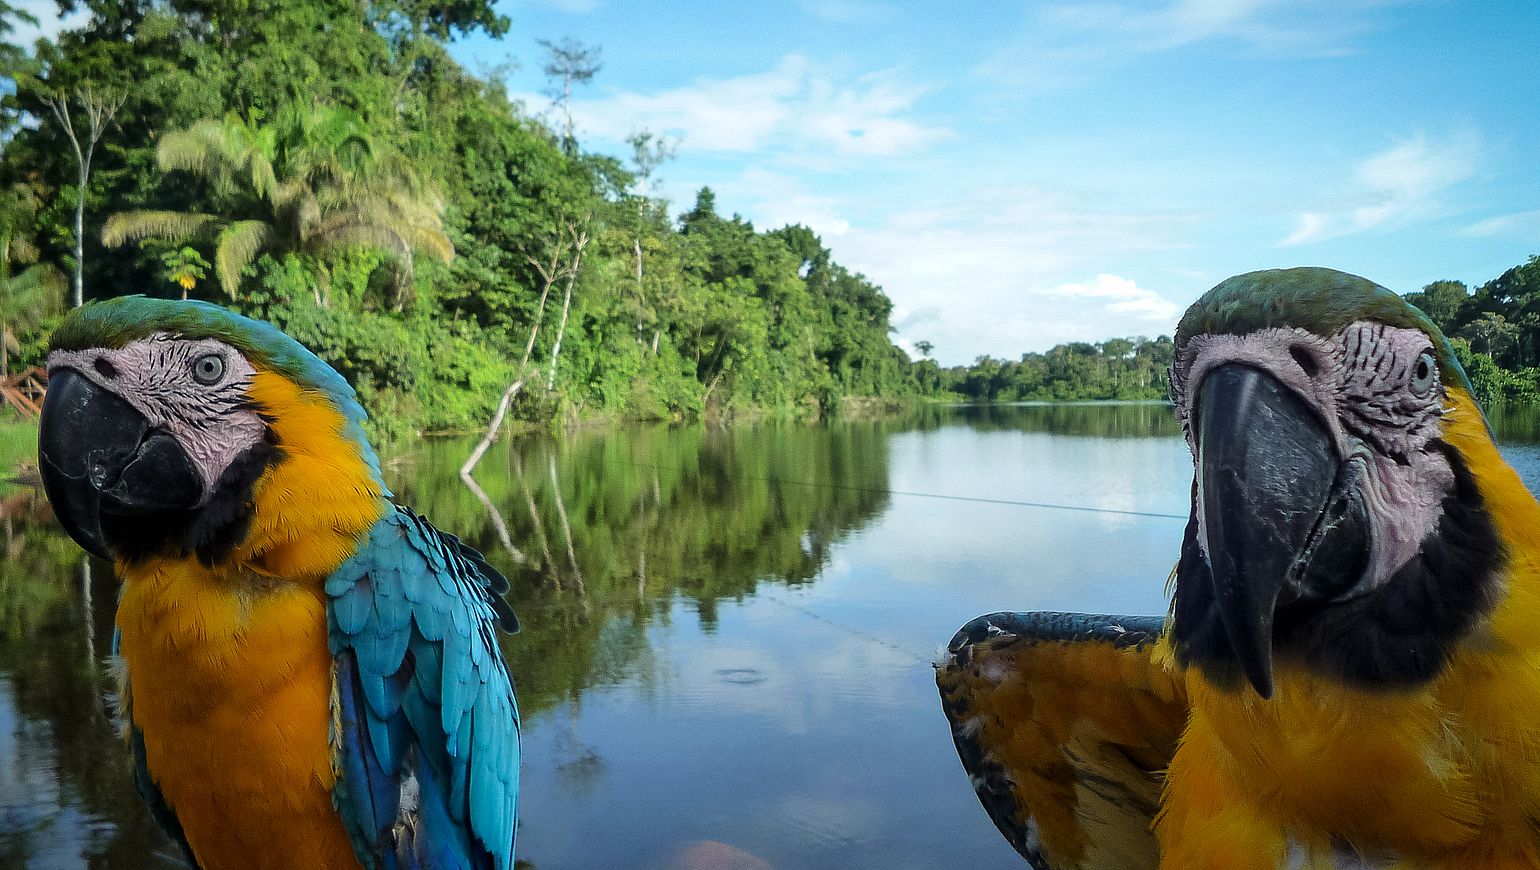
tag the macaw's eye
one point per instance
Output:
(1424, 374)
(208, 369)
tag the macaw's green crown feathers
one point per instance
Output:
(1321, 301)
(115, 323)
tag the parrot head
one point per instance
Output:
(1336, 523)
(164, 417)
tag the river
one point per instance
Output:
(727, 632)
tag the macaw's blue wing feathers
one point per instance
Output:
(427, 730)
(1065, 726)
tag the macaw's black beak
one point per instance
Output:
(1285, 525)
(101, 460)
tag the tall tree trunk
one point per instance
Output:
(61, 111)
(641, 295)
(561, 329)
(486, 440)
(534, 327)
(566, 105)
(80, 224)
(548, 278)
(579, 242)
(99, 110)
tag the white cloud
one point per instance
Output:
(1311, 27)
(794, 107)
(775, 199)
(1310, 226)
(993, 271)
(1396, 186)
(1067, 43)
(1124, 295)
(1526, 222)
(49, 22)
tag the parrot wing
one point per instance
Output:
(1065, 726)
(425, 728)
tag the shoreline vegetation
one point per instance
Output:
(329, 167)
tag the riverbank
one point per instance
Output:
(18, 446)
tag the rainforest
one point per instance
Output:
(328, 166)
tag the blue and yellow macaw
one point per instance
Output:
(1349, 675)
(311, 676)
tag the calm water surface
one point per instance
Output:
(727, 638)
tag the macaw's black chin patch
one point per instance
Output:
(209, 532)
(1396, 636)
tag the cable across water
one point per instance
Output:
(937, 495)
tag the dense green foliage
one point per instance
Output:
(1119, 368)
(1495, 330)
(327, 166)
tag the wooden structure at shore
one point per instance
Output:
(24, 391)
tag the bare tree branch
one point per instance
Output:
(99, 108)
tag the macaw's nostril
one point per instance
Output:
(1305, 359)
(105, 368)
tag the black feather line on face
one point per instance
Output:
(1398, 636)
(1199, 636)
(209, 532)
(223, 522)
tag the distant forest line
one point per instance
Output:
(1495, 330)
(327, 166)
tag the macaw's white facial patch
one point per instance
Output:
(1378, 391)
(193, 389)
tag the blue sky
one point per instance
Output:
(1018, 175)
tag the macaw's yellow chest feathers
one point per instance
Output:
(228, 687)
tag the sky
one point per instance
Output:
(1017, 175)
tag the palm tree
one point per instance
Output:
(310, 183)
(36, 292)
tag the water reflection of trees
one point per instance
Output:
(68, 795)
(1094, 419)
(616, 528)
(654, 516)
(1517, 424)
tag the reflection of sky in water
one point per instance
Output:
(804, 729)
(45, 824)
(1525, 459)
(31, 803)
(837, 755)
